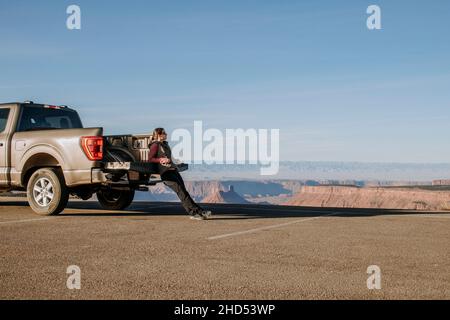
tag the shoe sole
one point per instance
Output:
(197, 218)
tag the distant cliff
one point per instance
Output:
(220, 196)
(354, 197)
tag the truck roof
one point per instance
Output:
(31, 103)
(9, 103)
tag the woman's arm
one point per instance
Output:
(152, 154)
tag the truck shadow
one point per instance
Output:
(235, 211)
(15, 203)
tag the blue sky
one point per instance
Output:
(336, 90)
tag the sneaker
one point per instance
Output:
(198, 217)
(206, 214)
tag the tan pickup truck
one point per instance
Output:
(45, 150)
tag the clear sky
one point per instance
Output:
(336, 90)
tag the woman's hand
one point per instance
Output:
(164, 160)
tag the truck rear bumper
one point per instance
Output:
(141, 167)
(98, 176)
(84, 177)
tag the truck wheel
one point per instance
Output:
(111, 199)
(47, 192)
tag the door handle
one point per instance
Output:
(1, 144)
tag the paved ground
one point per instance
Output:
(153, 251)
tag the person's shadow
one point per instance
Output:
(235, 211)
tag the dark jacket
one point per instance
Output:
(160, 150)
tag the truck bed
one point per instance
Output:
(128, 155)
(137, 145)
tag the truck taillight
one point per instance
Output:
(93, 147)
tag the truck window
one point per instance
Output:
(4, 113)
(42, 118)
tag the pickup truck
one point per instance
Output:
(45, 151)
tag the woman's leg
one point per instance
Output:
(174, 181)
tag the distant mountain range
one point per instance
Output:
(212, 182)
(264, 191)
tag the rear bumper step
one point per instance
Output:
(141, 167)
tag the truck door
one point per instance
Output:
(4, 116)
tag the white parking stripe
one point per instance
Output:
(269, 227)
(426, 216)
(26, 220)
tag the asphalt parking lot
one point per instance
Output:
(154, 251)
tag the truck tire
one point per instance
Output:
(47, 192)
(111, 199)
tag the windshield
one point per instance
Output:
(42, 118)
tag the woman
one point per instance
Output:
(161, 154)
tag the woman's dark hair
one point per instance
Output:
(155, 134)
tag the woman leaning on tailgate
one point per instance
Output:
(161, 154)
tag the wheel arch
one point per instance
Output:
(36, 162)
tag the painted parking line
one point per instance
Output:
(24, 220)
(274, 226)
(254, 230)
(427, 216)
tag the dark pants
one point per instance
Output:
(174, 181)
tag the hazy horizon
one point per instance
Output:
(325, 170)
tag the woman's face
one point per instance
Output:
(162, 136)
